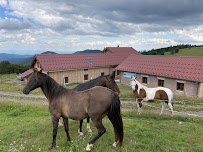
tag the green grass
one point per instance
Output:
(26, 127)
(9, 83)
(194, 51)
(125, 93)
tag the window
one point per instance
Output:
(144, 80)
(118, 72)
(85, 69)
(180, 86)
(102, 74)
(66, 79)
(161, 83)
(86, 77)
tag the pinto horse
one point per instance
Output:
(143, 93)
(105, 81)
(95, 103)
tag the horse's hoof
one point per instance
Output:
(51, 147)
(81, 134)
(89, 146)
(114, 144)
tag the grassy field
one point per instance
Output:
(194, 51)
(26, 127)
(9, 83)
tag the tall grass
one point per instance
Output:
(27, 128)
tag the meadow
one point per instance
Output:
(26, 127)
(193, 51)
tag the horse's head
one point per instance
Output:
(133, 83)
(111, 83)
(34, 82)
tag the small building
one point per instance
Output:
(182, 74)
(79, 68)
(26, 75)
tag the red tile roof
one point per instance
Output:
(53, 62)
(121, 50)
(188, 68)
(27, 73)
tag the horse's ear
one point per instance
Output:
(111, 76)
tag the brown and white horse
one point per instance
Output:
(143, 93)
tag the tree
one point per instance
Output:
(5, 67)
(176, 50)
(172, 52)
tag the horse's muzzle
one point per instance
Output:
(25, 91)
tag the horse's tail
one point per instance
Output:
(116, 119)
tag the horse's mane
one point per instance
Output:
(54, 88)
(90, 84)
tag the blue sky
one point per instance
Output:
(35, 26)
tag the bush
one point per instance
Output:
(6, 68)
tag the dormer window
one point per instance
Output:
(89, 60)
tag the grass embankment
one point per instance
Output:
(193, 51)
(26, 128)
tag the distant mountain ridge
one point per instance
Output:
(27, 59)
(87, 51)
(13, 58)
(5, 56)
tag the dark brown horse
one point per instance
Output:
(105, 81)
(95, 103)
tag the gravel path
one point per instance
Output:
(21, 95)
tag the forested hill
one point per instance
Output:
(180, 50)
(87, 51)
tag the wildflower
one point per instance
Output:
(22, 147)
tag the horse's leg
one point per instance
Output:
(55, 127)
(116, 140)
(65, 120)
(88, 125)
(163, 107)
(101, 130)
(138, 106)
(171, 107)
(60, 123)
(80, 128)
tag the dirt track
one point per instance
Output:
(40, 99)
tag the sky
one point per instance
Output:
(65, 26)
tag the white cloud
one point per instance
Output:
(3, 3)
(77, 25)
